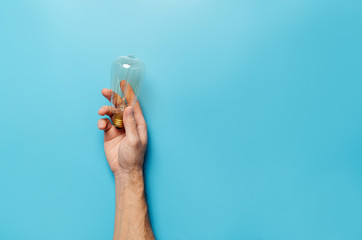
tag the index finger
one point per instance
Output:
(131, 99)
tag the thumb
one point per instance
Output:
(130, 126)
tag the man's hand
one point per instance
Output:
(124, 148)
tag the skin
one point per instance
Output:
(125, 150)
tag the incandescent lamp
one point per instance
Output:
(126, 79)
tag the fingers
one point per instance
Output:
(140, 120)
(130, 126)
(107, 93)
(110, 131)
(130, 96)
(141, 123)
(128, 93)
(106, 110)
(104, 124)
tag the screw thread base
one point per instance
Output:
(118, 121)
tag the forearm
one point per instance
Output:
(131, 218)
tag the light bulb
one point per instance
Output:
(126, 79)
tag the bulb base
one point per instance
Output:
(118, 121)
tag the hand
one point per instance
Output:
(124, 148)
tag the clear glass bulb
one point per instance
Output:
(126, 79)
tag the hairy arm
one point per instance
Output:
(131, 221)
(125, 149)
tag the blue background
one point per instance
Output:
(253, 108)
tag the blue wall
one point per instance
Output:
(253, 107)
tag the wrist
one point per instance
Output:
(129, 190)
(135, 174)
(129, 182)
